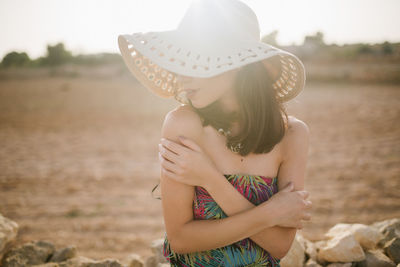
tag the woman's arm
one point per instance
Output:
(200, 235)
(276, 240)
(184, 233)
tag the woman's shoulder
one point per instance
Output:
(182, 120)
(296, 134)
(295, 125)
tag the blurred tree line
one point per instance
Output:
(313, 48)
(57, 55)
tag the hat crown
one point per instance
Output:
(220, 19)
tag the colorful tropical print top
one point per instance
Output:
(246, 252)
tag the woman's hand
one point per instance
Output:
(290, 207)
(185, 163)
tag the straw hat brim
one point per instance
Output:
(155, 58)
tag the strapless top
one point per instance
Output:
(246, 252)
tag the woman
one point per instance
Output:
(219, 183)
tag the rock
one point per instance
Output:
(387, 236)
(163, 265)
(341, 248)
(312, 263)
(375, 258)
(64, 254)
(311, 250)
(8, 233)
(392, 249)
(49, 264)
(157, 249)
(320, 244)
(134, 260)
(337, 229)
(389, 228)
(295, 256)
(34, 252)
(387, 225)
(81, 261)
(77, 261)
(339, 264)
(151, 262)
(367, 236)
(309, 247)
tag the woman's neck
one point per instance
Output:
(235, 128)
(229, 105)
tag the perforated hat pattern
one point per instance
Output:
(156, 57)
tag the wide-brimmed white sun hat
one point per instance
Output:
(214, 36)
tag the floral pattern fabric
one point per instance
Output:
(246, 252)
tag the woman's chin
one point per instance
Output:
(194, 104)
(201, 103)
(198, 104)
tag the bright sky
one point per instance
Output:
(91, 26)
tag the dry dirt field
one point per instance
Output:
(79, 158)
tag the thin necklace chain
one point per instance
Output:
(227, 133)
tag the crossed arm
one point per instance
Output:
(276, 240)
(245, 219)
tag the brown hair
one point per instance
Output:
(262, 117)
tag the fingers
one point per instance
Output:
(166, 164)
(189, 143)
(307, 204)
(299, 225)
(173, 146)
(307, 216)
(303, 193)
(168, 154)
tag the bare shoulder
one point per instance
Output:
(297, 135)
(296, 126)
(182, 120)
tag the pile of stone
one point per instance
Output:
(40, 253)
(345, 245)
(349, 245)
